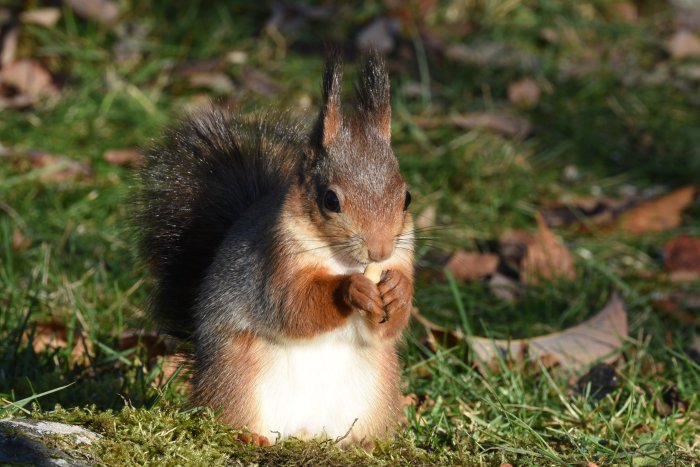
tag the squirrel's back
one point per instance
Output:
(192, 189)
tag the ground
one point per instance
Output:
(588, 99)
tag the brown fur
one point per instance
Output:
(225, 380)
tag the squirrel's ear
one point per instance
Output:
(373, 94)
(330, 120)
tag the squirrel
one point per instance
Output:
(257, 233)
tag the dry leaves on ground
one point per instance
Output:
(19, 241)
(47, 167)
(659, 214)
(682, 258)
(46, 17)
(546, 257)
(599, 337)
(54, 335)
(501, 123)
(472, 266)
(633, 214)
(29, 78)
(524, 93)
(102, 11)
(131, 157)
(684, 44)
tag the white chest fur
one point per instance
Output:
(318, 387)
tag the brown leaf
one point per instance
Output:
(54, 335)
(379, 35)
(505, 288)
(438, 334)
(596, 338)
(216, 81)
(259, 82)
(682, 257)
(524, 93)
(547, 257)
(170, 364)
(9, 46)
(19, 241)
(472, 266)
(58, 168)
(676, 305)
(684, 44)
(504, 124)
(626, 11)
(131, 157)
(29, 78)
(102, 11)
(659, 214)
(600, 212)
(155, 343)
(46, 17)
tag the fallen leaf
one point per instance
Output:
(9, 46)
(507, 125)
(19, 241)
(492, 55)
(59, 168)
(546, 257)
(379, 35)
(289, 16)
(472, 266)
(131, 157)
(30, 78)
(626, 11)
(659, 214)
(155, 343)
(598, 382)
(54, 335)
(684, 44)
(599, 212)
(171, 364)
(102, 11)
(259, 82)
(599, 337)
(513, 245)
(46, 17)
(438, 335)
(216, 81)
(677, 304)
(505, 288)
(524, 93)
(682, 257)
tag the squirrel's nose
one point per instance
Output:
(379, 250)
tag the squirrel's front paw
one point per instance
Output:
(396, 290)
(363, 294)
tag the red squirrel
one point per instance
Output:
(257, 234)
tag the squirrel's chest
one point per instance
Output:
(318, 387)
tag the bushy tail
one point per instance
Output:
(192, 188)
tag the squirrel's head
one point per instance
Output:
(357, 198)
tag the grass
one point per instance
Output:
(600, 110)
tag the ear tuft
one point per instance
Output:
(330, 120)
(374, 94)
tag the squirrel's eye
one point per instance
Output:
(331, 201)
(407, 202)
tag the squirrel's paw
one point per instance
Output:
(363, 294)
(396, 291)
